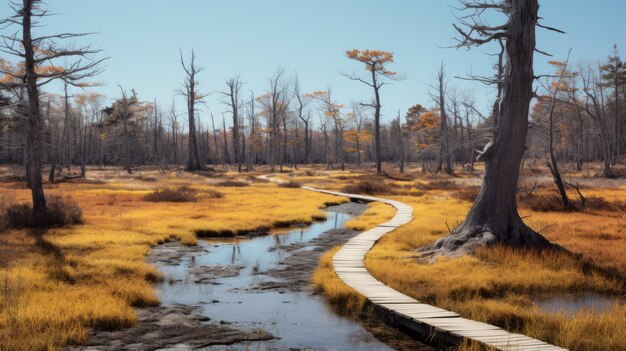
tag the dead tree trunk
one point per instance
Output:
(232, 95)
(444, 158)
(226, 153)
(493, 217)
(33, 140)
(193, 97)
(595, 109)
(552, 164)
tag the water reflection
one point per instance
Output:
(299, 319)
(573, 303)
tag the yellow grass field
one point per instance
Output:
(498, 285)
(56, 284)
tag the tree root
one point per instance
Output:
(466, 239)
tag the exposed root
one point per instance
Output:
(466, 239)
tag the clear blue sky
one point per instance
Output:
(253, 37)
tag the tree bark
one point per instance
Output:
(377, 106)
(444, 158)
(493, 217)
(33, 140)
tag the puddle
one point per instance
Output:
(571, 304)
(299, 319)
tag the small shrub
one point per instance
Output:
(212, 194)
(6, 201)
(542, 202)
(468, 194)
(148, 178)
(63, 212)
(600, 204)
(405, 177)
(290, 184)
(369, 187)
(181, 194)
(232, 183)
(18, 216)
(438, 185)
(60, 212)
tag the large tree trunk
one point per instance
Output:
(33, 140)
(493, 218)
(193, 161)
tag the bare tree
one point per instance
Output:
(302, 103)
(375, 62)
(193, 97)
(275, 104)
(174, 126)
(614, 76)
(400, 141)
(121, 112)
(36, 53)
(553, 88)
(333, 112)
(444, 156)
(234, 101)
(595, 107)
(493, 217)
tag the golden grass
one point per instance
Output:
(375, 214)
(325, 281)
(497, 285)
(59, 283)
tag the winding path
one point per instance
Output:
(445, 326)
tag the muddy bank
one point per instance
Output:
(175, 327)
(252, 294)
(296, 269)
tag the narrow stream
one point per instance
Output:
(300, 320)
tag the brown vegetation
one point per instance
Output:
(60, 212)
(290, 184)
(232, 183)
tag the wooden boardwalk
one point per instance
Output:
(446, 327)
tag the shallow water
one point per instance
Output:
(571, 304)
(300, 320)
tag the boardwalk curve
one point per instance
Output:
(404, 311)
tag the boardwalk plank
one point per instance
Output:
(349, 266)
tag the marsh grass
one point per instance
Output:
(339, 295)
(497, 285)
(60, 212)
(58, 283)
(232, 183)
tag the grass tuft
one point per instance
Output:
(232, 183)
(290, 184)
